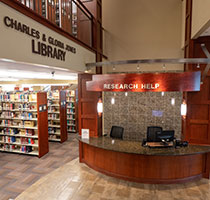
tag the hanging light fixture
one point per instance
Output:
(100, 107)
(184, 109)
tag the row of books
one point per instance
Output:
(12, 139)
(11, 147)
(13, 131)
(12, 106)
(23, 115)
(18, 96)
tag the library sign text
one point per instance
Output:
(41, 44)
(154, 82)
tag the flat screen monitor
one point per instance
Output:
(166, 136)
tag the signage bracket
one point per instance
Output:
(197, 61)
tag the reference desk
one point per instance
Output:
(128, 160)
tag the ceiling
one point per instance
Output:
(10, 69)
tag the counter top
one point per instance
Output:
(135, 147)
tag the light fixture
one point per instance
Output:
(172, 101)
(164, 66)
(198, 65)
(112, 100)
(162, 94)
(126, 94)
(113, 68)
(183, 109)
(137, 67)
(100, 107)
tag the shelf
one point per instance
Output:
(53, 139)
(53, 112)
(35, 153)
(54, 126)
(72, 131)
(70, 113)
(70, 101)
(71, 125)
(23, 119)
(71, 119)
(18, 135)
(32, 102)
(70, 107)
(19, 144)
(70, 96)
(54, 105)
(56, 133)
(18, 110)
(20, 127)
(53, 119)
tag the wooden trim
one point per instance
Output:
(35, 16)
(42, 124)
(63, 116)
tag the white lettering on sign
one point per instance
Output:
(147, 86)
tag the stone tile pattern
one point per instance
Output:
(76, 181)
(134, 112)
(18, 172)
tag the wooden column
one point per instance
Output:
(87, 107)
(196, 126)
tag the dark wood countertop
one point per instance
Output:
(135, 147)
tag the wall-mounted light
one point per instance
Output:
(162, 94)
(126, 94)
(184, 109)
(173, 101)
(164, 66)
(113, 68)
(198, 65)
(137, 67)
(100, 107)
(112, 100)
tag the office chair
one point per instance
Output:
(152, 132)
(117, 132)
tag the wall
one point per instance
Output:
(200, 17)
(140, 29)
(134, 112)
(18, 45)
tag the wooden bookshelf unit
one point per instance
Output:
(23, 123)
(71, 111)
(57, 123)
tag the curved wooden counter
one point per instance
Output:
(130, 161)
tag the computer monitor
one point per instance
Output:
(166, 136)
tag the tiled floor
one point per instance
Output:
(75, 181)
(18, 172)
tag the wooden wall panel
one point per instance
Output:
(87, 107)
(145, 168)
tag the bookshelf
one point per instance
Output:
(23, 123)
(57, 123)
(71, 111)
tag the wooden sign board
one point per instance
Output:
(155, 82)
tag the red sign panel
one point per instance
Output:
(156, 82)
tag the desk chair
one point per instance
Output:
(117, 132)
(152, 133)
